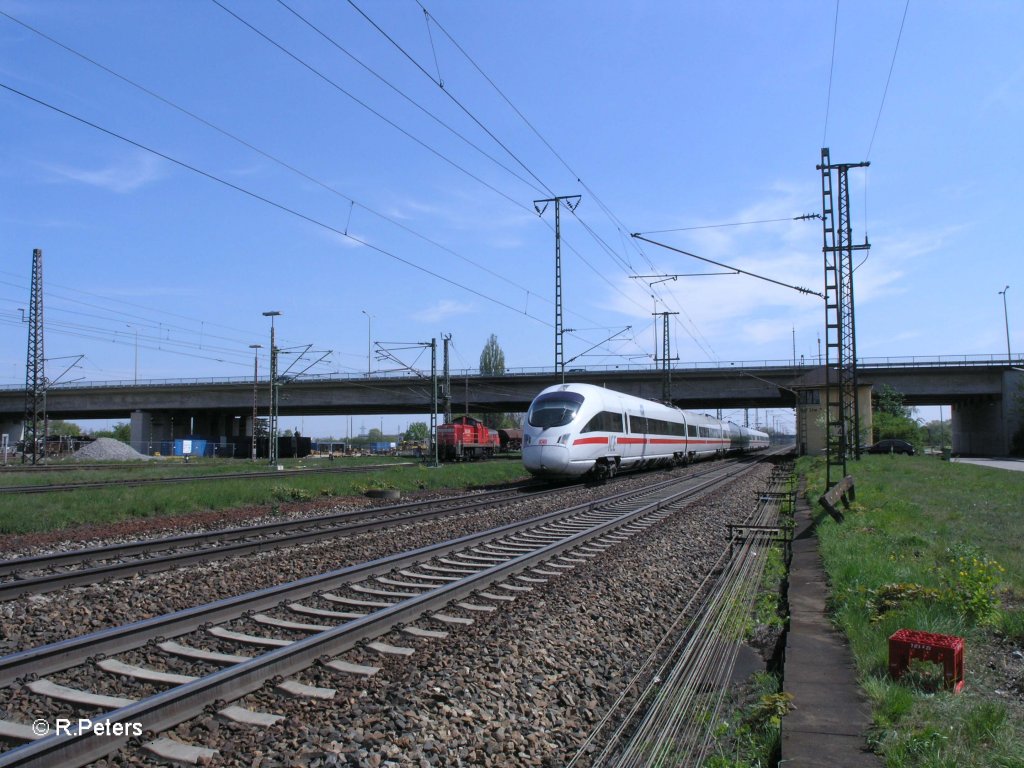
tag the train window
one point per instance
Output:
(554, 410)
(691, 430)
(637, 425)
(605, 421)
(662, 427)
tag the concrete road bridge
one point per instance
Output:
(983, 391)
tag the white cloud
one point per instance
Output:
(442, 310)
(126, 176)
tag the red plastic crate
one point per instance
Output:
(947, 650)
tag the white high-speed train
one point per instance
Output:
(575, 429)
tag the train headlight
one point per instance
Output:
(526, 440)
(562, 440)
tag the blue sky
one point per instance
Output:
(334, 179)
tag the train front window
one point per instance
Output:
(554, 410)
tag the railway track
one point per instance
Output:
(692, 678)
(49, 572)
(316, 620)
(141, 481)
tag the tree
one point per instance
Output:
(63, 428)
(492, 359)
(492, 363)
(938, 434)
(121, 431)
(890, 401)
(892, 418)
(417, 431)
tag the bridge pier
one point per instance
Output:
(155, 431)
(987, 425)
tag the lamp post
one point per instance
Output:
(255, 399)
(1006, 320)
(272, 449)
(369, 336)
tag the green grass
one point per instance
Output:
(21, 475)
(932, 546)
(62, 510)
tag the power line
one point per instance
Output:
(802, 217)
(888, 78)
(282, 163)
(591, 193)
(622, 263)
(831, 69)
(401, 93)
(268, 201)
(447, 93)
(360, 102)
(726, 266)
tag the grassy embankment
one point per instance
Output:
(933, 546)
(27, 513)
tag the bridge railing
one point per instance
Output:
(906, 361)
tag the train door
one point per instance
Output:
(645, 442)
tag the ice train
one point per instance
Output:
(573, 430)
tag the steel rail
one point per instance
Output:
(278, 534)
(692, 678)
(168, 708)
(62, 654)
(78, 745)
(309, 529)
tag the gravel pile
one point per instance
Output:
(108, 449)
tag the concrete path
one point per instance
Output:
(830, 716)
(1011, 464)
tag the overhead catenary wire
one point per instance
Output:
(888, 79)
(623, 264)
(273, 158)
(454, 100)
(831, 71)
(405, 96)
(377, 113)
(798, 288)
(590, 192)
(268, 201)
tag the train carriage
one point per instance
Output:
(578, 429)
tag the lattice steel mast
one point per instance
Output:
(35, 374)
(842, 414)
(571, 201)
(666, 358)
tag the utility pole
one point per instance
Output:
(433, 389)
(571, 201)
(274, 391)
(255, 392)
(842, 414)
(446, 383)
(35, 375)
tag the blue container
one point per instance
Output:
(189, 447)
